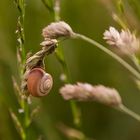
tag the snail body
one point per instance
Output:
(39, 83)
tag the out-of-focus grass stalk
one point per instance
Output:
(122, 22)
(18, 125)
(57, 10)
(119, 21)
(60, 56)
(135, 61)
(112, 54)
(135, 4)
(48, 4)
(119, 16)
(61, 59)
(21, 39)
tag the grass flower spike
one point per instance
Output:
(125, 41)
(87, 92)
(99, 93)
(56, 30)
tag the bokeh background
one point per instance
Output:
(86, 63)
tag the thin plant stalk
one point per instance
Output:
(57, 10)
(135, 61)
(119, 21)
(21, 39)
(18, 125)
(115, 56)
(129, 112)
(61, 59)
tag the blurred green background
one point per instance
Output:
(86, 63)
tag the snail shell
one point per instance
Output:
(39, 83)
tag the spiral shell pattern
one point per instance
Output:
(39, 83)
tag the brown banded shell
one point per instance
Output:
(39, 83)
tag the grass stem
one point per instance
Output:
(129, 112)
(112, 54)
(61, 59)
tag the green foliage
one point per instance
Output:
(85, 64)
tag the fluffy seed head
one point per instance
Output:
(87, 92)
(125, 41)
(56, 30)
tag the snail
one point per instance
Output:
(39, 83)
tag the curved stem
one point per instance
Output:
(135, 61)
(61, 59)
(126, 110)
(116, 57)
(57, 10)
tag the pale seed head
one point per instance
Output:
(56, 30)
(87, 92)
(125, 41)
